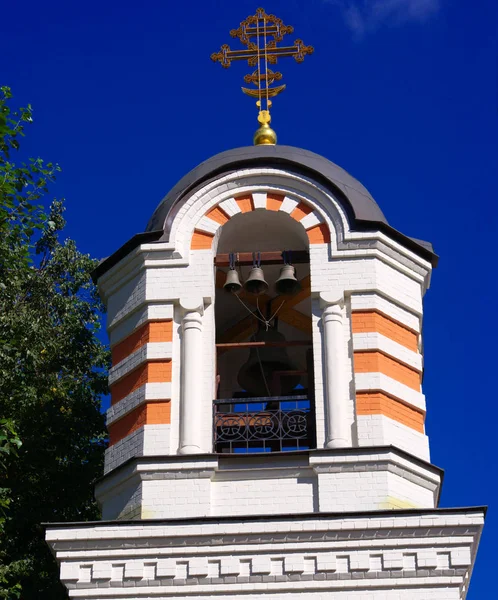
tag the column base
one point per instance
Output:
(338, 443)
(189, 450)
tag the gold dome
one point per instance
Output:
(265, 135)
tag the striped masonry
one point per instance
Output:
(154, 331)
(378, 403)
(317, 231)
(152, 413)
(365, 321)
(151, 372)
(378, 362)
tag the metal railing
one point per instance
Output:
(277, 424)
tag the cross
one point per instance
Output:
(260, 34)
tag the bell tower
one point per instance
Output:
(267, 420)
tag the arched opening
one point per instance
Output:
(264, 393)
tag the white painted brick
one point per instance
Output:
(208, 225)
(288, 205)
(311, 220)
(365, 301)
(377, 341)
(378, 430)
(379, 381)
(259, 200)
(230, 207)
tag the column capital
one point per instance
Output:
(191, 304)
(334, 297)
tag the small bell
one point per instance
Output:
(255, 283)
(232, 283)
(287, 283)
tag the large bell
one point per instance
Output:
(232, 283)
(255, 283)
(287, 283)
(258, 375)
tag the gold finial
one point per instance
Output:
(264, 136)
(263, 51)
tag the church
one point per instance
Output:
(267, 420)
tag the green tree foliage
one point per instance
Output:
(9, 443)
(52, 368)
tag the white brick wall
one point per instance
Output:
(128, 447)
(128, 298)
(259, 496)
(326, 481)
(176, 498)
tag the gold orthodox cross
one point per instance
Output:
(260, 34)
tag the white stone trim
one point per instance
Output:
(311, 220)
(374, 301)
(379, 430)
(147, 352)
(259, 200)
(230, 206)
(377, 341)
(156, 439)
(208, 225)
(321, 460)
(365, 382)
(368, 522)
(293, 588)
(433, 563)
(288, 204)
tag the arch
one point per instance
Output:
(214, 218)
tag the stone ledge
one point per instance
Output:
(398, 549)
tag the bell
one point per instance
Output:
(287, 284)
(257, 375)
(255, 283)
(232, 283)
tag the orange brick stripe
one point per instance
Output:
(378, 362)
(274, 201)
(318, 234)
(301, 211)
(152, 413)
(155, 331)
(376, 403)
(218, 214)
(245, 203)
(151, 372)
(370, 320)
(201, 240)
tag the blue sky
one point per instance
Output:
(401, 93)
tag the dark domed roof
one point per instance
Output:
(354, 197)
(363, 212)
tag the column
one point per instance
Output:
(336, 390)
(191, 376)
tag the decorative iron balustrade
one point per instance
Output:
(277, 424)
